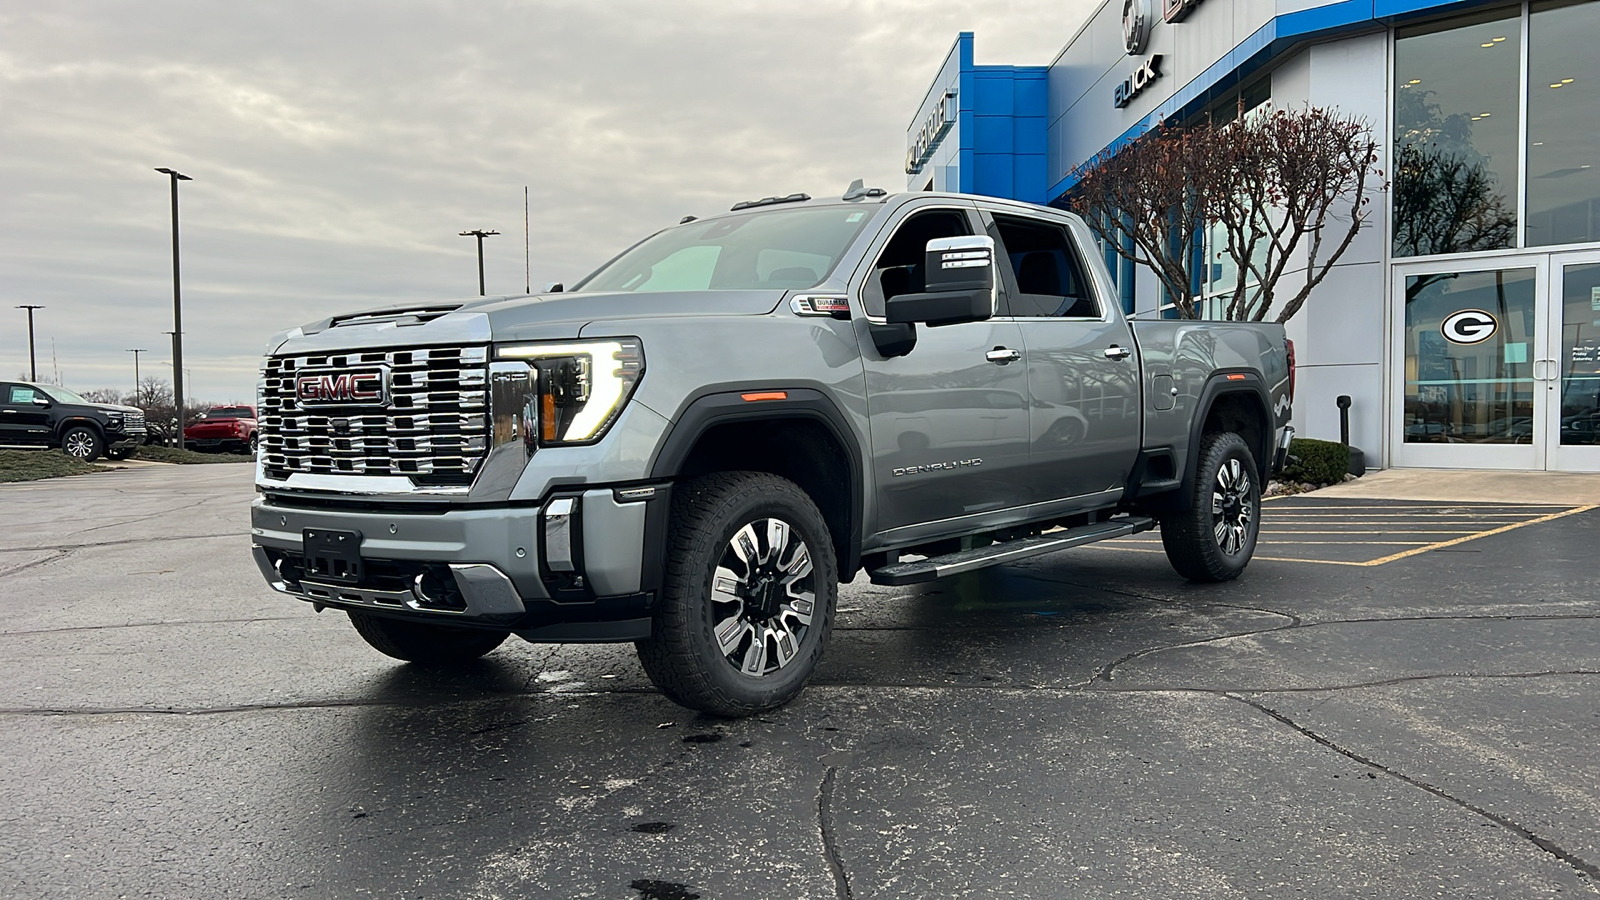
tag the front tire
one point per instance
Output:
(82, 443)
(422, 642)
(748, 595)
(1214, 538)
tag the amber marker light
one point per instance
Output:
(765, 395)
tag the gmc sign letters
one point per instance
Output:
(1142, 78)
(364, 388)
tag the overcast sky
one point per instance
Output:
(339, 147)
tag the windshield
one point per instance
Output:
(62, 395)
(763, 250)
(229, 412)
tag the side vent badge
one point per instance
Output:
(827, 305)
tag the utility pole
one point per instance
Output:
(527, 258)
(136, 374)
(33, 367)
(177, 305)
(480, 234)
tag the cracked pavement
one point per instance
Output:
(1077, 725)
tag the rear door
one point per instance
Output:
(23, 423)
(1083, 365)
(949, 424)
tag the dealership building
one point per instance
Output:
(1464, 321)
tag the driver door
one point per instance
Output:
(949, 418)
(23, 423)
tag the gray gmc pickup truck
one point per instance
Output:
(694, 446)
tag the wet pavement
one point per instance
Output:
(1078, 725)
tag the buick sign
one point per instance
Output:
(358, 387)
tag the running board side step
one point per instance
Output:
(1010, 551)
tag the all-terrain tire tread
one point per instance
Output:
(1186, 536)
(697, 505)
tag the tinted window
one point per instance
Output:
(1563, 106)
(1456, 107)
(767, 249)
(1050, 281)
(229, 412)
(901, 266)
(16, 393)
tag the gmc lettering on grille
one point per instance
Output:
(365, 388)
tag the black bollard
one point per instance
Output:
(1358, 460)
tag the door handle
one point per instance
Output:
(1003, 355)
(9, 412)
(1116, 352)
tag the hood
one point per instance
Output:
(115, 408)
(529, 317)
(511, 318)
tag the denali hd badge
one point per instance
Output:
(361, 387)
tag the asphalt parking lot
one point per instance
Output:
(1398, 699)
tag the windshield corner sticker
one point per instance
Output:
(1469, 326)
(938, 467)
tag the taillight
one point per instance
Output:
(1290, 346)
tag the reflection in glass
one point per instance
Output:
(1580, 355)
(1563, 107)
(1470, 393)
(1457, 134)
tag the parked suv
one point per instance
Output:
(37, 416)
(697, 444)
(230, 428)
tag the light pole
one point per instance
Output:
(136, 374)
(480, 234)
(177, 304)
(33, 368)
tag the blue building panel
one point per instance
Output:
(994, 174)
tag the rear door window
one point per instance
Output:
(1049, 279)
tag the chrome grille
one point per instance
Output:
(434, 429)
(133, 420)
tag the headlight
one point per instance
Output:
(582, 385)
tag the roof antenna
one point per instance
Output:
(857, 191)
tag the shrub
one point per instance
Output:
(1317, 462)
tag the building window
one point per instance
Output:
(1456, 134)
(1563, 107)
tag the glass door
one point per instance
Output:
(1569, 374)
(1467, 354)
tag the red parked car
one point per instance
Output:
(223, 428)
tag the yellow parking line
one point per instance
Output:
(1414, 551)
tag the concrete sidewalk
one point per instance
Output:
(1472, 485)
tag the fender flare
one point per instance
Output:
(715, 407)
(1228, 383)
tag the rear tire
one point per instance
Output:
(1214, 538)
(748, 595)
(424, 643)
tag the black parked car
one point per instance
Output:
(37, 416)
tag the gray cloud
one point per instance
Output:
(337, 148)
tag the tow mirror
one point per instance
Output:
(959, 285)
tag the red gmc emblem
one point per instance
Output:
(366, 387)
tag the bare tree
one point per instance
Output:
(1147, 200)
(102, 395)
(1285, 189)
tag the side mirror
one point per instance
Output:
(40, 401)
(959, 285)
